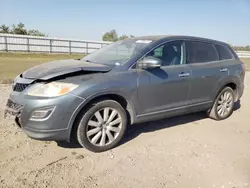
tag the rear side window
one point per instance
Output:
(224, 52)
(199, 52)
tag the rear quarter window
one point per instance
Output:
(224, 52)
(199, 52)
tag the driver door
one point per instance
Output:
(166, 88)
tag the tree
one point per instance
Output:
(110, 36)
(113, 36)
(19, 29)
(4, 29)
(125, 37)
(36, 33)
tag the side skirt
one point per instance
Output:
(173, 112)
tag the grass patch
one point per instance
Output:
(12, 64)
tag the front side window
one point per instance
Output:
(224, 52)
(199, 52)
(170, 53)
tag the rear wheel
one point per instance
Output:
(102, 126)
(223, 105)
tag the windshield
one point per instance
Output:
(118, 52)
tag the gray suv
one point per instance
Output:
(93, 99)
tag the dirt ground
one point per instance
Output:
(186, 151)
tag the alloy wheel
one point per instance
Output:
(225, 104)
(104, 126)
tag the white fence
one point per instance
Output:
(243, 54)
(24, 43)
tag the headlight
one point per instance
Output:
(52, 89)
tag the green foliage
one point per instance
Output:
(19, 29)
(36, 33)
(123, 37)
(4, 29)
(112, 36)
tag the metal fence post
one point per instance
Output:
(87, 47)
(69, 47)
(50, 46)
(6, 43)
(28, 45)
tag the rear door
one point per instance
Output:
(206, 70)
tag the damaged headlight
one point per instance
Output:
(52, 89)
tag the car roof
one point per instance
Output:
(177, 37)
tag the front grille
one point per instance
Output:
(18, 87)
(12, 105)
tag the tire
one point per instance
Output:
(95, 129)
(222, 104)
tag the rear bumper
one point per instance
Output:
(240, 91)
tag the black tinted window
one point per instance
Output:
(224, 52)
(170, 53)
(198, 52)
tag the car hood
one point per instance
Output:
(54, 69)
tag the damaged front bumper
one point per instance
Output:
(13, 109)
(56, 126)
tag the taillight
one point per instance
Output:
(243, 67)
(242, 74)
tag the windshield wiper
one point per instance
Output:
(89, 61)
(79, 59)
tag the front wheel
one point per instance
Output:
(223, 105)
(102, 126)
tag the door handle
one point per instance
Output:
(223, 70)
(187, 74)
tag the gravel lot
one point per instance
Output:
(187, 151)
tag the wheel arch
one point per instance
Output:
(124, 102)
(230, 83)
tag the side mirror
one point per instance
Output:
(149, 62)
